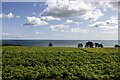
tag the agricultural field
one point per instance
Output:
(60, 63)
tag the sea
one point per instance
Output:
(59, 43)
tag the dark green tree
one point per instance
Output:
(116, 45)
(96, 44)
(50, 45)
(89, 44)
(80, 45)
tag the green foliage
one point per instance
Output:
(57, 63)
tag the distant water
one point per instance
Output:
(58, 43)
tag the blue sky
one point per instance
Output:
(60, 20)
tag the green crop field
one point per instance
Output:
(59, 63)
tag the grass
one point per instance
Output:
(60, 63)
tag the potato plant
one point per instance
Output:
(60, 63)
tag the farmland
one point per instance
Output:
(60, 63)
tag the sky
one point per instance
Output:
(60, 20)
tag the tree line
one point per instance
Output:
(88, 44)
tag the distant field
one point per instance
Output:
(59, 63)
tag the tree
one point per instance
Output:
(100, 45)
(80, 45)
(96, 44)
(89, 44)
(116, 45)
(50, 45)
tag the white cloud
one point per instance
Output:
(77, 8)
(70, 8)
(37, 32)
(78, 23)
(34, 13)
(98, 24)
(40, 21)
(111, 5)
(92, 15)
(69, 21)
(34, 21)
(48, 18)
(66, 8)
(17, 16)
(113, 20)
(1, 15)
(110, 32)
(66, 28)
(109, 24)
(58, 27)
(76, 29)
(9, 15)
